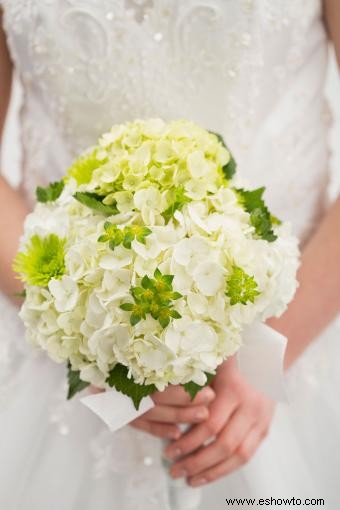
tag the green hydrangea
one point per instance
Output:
(180, 159)
(42, 260)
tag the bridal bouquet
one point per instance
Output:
(144, 264)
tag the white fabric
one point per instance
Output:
(252, 70)
(261, 359)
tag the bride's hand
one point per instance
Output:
(238, 421)
(173, 406)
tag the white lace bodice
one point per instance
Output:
(252, 70)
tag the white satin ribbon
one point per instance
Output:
(260, 360)
(181, 495)
(114, 408)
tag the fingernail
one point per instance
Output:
(209, 392)
(180, 473)
(201, 415)
(172, 454)
(198, 481)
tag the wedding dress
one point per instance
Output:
(252, 70)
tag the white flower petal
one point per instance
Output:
(116, 259)
(209, 278)
(191, 250)
(150, 250)
(66, 293)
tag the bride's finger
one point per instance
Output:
(227, 442)
(162, 430)
(94, 390)
(241, 456)
(176, 395)
(173, 414)
(220, 411)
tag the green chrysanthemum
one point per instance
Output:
(241, 288)
(42, 260)
(82, 168)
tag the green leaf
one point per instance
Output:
(165, 314)
(127, 307)
(94, 201)
(164, 321)
(192, 388)
(263, 226)
(142, 234)
(128, 238)
(127, 244)
(140, 294)
(154, 310)
(220, 139)
(108, 226)
(166, 296)
(136, 293)
(134, 319)
(174, 314)
(168, 278)
(75, 384)
(146, 282)
(157, 274)
(260, 216)
(252, 199)
(50, 193)
(21, 294)
(229, 169)
(162, 282)
(113, 243)
(241, 288)
(119, 379)
(275, 220)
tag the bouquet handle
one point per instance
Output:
(181, 495)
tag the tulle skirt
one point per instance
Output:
(56, 455)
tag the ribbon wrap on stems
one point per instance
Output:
(260, 360)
